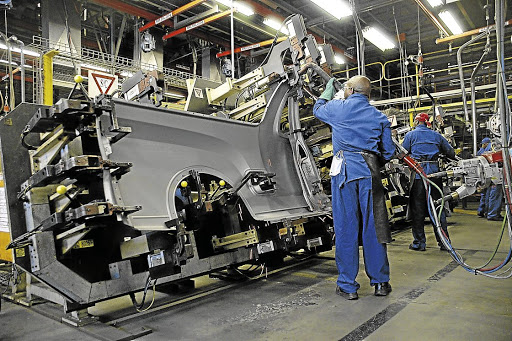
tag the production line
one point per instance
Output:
(124, 192)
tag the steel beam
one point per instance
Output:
(139, 12)
(250, 47)
(171, 14)
(197, 24)
(432, 17)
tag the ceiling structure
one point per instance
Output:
(402, 18)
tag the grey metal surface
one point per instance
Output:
(166, 144)
(16, 167)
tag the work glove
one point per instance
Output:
(329, 91)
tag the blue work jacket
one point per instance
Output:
(483, 150)
(356, 127)
(425, 144)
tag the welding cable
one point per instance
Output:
(482, 267)
(505, 219)
(455, 255)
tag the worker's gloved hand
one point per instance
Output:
(329, 91)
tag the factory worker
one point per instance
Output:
(361, 139)
(425, 146)
(490, 200)
(484, 196)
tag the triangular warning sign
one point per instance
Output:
(103, 82)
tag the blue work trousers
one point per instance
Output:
(490, 202)
(494, 201)
(352, 207)
(484, 202)
(418, 206)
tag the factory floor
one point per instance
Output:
(432, 299)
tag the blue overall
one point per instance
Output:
(490, 199)
(356, 127)
(425, 145)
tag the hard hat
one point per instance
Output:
(486, 140)
(422, 117)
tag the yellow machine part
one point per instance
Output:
(5, 237)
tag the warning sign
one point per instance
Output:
(101, 83)
(198, 93)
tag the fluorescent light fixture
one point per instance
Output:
(173, 95)
(126, 74)
(378, 38)
(239, 6)
(3, 61)
(275, 25)
(18, 50)
(244, 9)
(339, 59)
(94, 67)
(450, 21)
(435, 3)
(336, 8)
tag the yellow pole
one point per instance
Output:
(48, 77)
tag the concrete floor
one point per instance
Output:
(432, 299)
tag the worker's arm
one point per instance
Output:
(447, 149)
(321, 109)
(387, 147)
(326, 111)
(407, 142)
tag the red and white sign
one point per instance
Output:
(101, 83)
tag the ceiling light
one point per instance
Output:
(378, 38)
(173, 95)
(450, 21)
(94, 67)
(275, 25)
(126, 74)
(435, 3)
(336, 8)
(239, 6)
(339, 59)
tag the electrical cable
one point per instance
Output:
(138, 306)
(28, 146)
(435, 218)
(274, 42)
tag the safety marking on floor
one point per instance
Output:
(374, 323)
(460, 210)
(305, 274)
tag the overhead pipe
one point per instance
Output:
(503, 107)
(461, 72)
(250, 47)
(171, 14)
(487, 49)
(469, 33)
(139, 12)
(197, 24)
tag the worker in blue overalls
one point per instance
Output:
(490, 200)
(425, 145)
(484, 197)
(361, 138)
